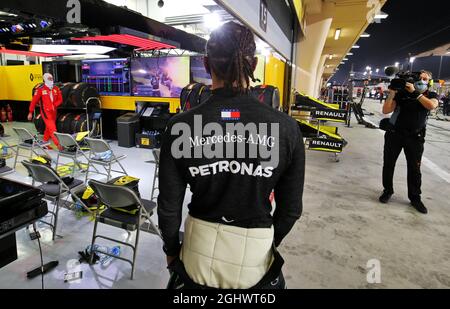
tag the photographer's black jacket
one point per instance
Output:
(412, 114)
(232, 191)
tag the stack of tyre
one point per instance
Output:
(268, 95)
(72, 114)
(71, 123)
(193, 95)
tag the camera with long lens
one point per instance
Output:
(401, 78)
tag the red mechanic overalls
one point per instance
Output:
(48, 109)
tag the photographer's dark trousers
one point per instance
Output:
(413, 146)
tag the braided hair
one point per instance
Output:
(231, 56)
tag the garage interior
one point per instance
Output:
(344, 231)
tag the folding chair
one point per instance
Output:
(113, 197)
(4, 141)
(4, 170)
(100, 146)
(155, 185)
(54, 191)
(29, 142)
(156, 155)
(71, 150)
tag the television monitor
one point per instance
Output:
(63, 71)
(163, 77)
(198, 71)
(141, 106)
(109, 76)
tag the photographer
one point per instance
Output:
(410, 107)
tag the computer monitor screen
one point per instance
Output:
(198, 71)
(159, 77)
(110, 76)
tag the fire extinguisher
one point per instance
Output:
(3, 116)
(9, 113)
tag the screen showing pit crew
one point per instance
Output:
(159, 77)
(110, 77)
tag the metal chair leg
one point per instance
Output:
(56, 217)
(154, 183)
(121, 166)
(108, 178)
(87, 160)
(75, 164)
(31, 152)
(57, 161)
(135, 251)
(155, 227)
(91, 259)
(43, 150)
(17, 155)
(87, 172)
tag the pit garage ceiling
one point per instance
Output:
(349, 15)
(186, 15)
(171, 8)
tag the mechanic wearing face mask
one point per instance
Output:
(410, 108)
(49, 98)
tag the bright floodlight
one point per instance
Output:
(212, 21)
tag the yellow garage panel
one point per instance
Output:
(274, 74)
(3, 87)
(20, 80)
(128, 103)
(298, 5)
(259, 71)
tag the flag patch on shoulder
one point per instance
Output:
(230, 114)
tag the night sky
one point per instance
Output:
(412, 27)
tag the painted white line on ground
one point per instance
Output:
(436, 169)
(432, 166)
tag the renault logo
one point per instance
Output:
(35, 76)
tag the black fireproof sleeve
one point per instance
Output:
(172, 188)
(289, 192)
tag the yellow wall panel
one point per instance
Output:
(274, 74)
(128, 103)
(19, 81)
(298, 4)
(259, 71)
(3, 87)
